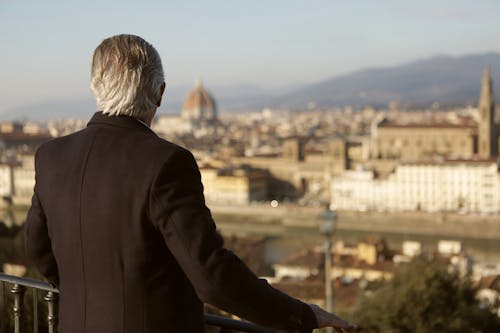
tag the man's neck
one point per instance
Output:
(147, 119)
(148, 124)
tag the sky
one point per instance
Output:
(46, 46)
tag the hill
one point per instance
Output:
(443, 79)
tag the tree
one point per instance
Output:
(424, 297)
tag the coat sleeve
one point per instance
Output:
(37, 241)
(219, 277)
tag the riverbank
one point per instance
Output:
(294, 228)
(287, 218)
(447, 225)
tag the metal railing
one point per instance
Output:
(20, 285)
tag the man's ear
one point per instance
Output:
(162, 90)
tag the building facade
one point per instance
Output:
(463, 138)
(234, 185)
(17, 180)
(466, 186)
(199, 109)
(198, 115)
(488, 130)
(423, 141)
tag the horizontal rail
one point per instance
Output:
(32, 283)
(238, 325)
(211, 320)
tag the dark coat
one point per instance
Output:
(118, 222)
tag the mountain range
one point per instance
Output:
(442, 79)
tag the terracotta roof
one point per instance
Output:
(313, 288)
(450, 162)
(373, 240)
(351, 262)
(437, 125)
(198, 98)
(490, 282)
(21, 136)
(463, 123)
(308, 258)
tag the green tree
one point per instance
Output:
(424, 297)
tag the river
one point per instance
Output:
(286, 240)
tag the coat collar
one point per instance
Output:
(121, 121)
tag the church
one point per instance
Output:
(199, 109)
(467, 138)
(198, 115)
(446, 167)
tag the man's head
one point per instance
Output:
(127, 77)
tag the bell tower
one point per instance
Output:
(487, 138)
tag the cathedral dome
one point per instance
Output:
(199, 106)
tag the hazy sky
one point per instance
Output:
(46, 45)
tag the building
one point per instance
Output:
(372, 250)
(489, 292)
(234, 185)
(6, 182)
(299, 266)
(464, 137)
(423, 141)
(488, 140)
(199, 108)
(17, 180)
(453, 185)
(367, 260)
(22, 137)
(168, 124)
(198, 115)
(297, 172)
(24, 180)
(428, 166)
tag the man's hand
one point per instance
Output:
(327, 319)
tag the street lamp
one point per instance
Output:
(328, 218)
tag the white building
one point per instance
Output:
(168, 124)
(17, 180)
(5, 180)
(24, 180)
(469, 186)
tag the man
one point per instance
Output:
(118, 220)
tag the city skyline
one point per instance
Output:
(279, 46)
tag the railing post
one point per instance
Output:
(18, 291)
(35, 310)
(225, 325)
(2, 307)
(51, 299)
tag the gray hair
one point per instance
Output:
(126, 76)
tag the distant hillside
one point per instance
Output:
(443, 79)
(229, 98)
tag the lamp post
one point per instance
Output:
(328, 218)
